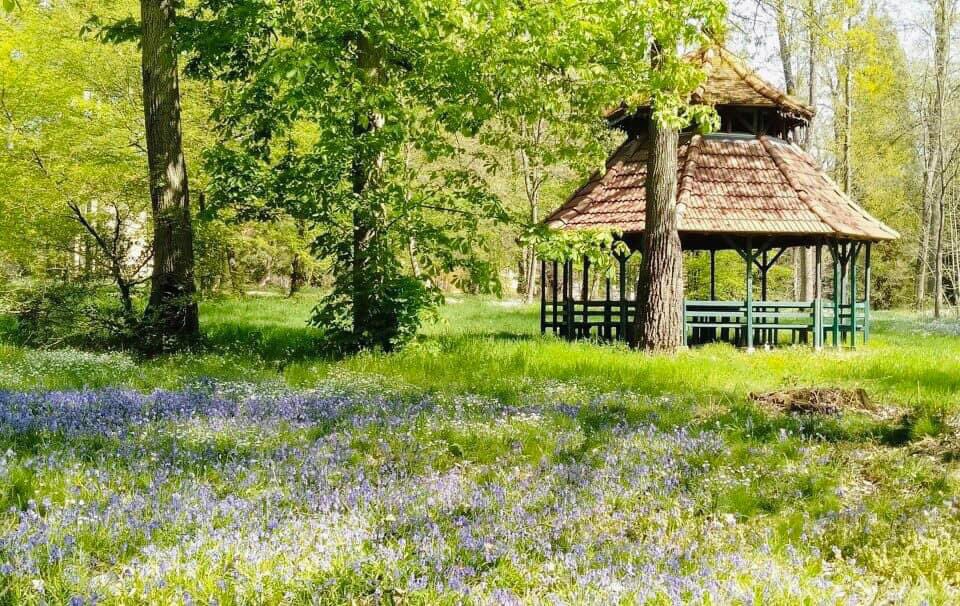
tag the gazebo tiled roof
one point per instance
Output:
(728, 184)
(730, 82)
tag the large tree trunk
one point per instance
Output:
(659, 324)
(172, 309)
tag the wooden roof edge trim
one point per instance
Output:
(689, 171)
(771, 149)
(584, 196)
(804, 195)
(763, 87)
(864, 213)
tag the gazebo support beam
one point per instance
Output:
(837, 293)
(764, 267)
(622, 332)
(568, 299)
(606, 331)
(817, 299)
(867, 278)
(554, 283)
(844, 258)
(713, 274)
(854, 252)
(585, 295)
(749, 258)
(543, 296)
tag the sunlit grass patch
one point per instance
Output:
(483, 464)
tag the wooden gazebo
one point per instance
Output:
(748, 188)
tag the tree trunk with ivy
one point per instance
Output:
(369, 219)
(171, 312)
(298, 273)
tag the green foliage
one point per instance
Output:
(348, 136)
(70, 114)
(399, 304)
(53, 314)
(887, 171)
(353, 116)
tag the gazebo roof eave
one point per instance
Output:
(733, 240)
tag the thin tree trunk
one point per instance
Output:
(532, 183)
(298, 274)
(847, 114)
(786, 53)
(172, 308)
(927, 196)
(803, 261)
(938, 264)
(659, 325)
(414, 263)
(808, 254)
(943, 20)
(812, 47)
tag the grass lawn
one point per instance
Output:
(482, 464)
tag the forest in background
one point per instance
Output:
(74, 158)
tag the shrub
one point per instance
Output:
(49, 314)
(398, 308)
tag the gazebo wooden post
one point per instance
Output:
(562, 329)
(622, 332)
(817, 299)
(749, 298)
(553, 288)
(764, 266)
(585, 295)
(607, 330)
(866, 295)
(543, 296)
(854, 252)
(712, 334)
(844, 259)
(568, 299)
(837, 292)
(713, 274)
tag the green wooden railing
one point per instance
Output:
(769, 323)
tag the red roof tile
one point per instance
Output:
(734, 184)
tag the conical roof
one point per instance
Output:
(728, 184)
(730, 82)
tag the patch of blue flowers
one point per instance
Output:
(221, 494)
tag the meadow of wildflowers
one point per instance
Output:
(481, 465)
(355, 492)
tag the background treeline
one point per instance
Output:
(74, 203)
(882, 76)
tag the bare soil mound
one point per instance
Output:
(819, 400)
